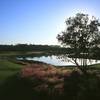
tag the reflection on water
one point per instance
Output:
(55, 61)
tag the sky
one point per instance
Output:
(39, 21)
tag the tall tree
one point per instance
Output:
(81, 34)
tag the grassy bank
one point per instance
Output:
(33, 80)
(7, 69)
(39, 81)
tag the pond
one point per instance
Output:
(58, 62)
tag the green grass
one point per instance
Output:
(7, 65)
(97, 66)
(5, 74)
(8, 69)
(8, 53)
(12, 53)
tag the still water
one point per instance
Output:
(55, 61)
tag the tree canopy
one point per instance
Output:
(82, 33)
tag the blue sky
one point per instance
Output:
(39, 21)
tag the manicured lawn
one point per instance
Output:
(5, 65)
(8, 69)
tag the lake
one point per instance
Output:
(58, 62)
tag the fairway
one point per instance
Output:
(8, 69)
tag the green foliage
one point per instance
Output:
(82, 34)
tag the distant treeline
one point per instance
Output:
(95, 52)
(32, 47)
